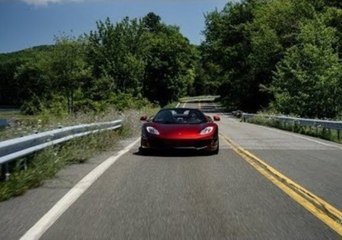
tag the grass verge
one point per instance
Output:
(319, 132)
(33, 170)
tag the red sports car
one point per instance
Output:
(180, 128)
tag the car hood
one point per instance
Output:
(181, 131)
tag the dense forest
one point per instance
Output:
(278, 55)
(127, 64)
(282, 56)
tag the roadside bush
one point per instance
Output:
(31, 107)
(124, 101)
(45, 164)
(328, 134)
(56, 106)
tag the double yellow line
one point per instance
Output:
(314, 204)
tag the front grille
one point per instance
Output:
(179, 143)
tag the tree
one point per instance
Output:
(251, 43)
(225, 55)
(47, 77)
(115, 53)
(333, 18)
(308, 81)
(152, 22)
(141, 57)
(12, 90)
(68, 68)
(274, 29)
(32, 79)
(169, 66)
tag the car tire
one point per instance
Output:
(215, 152)
(144, 151)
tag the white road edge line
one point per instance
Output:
(184, 105)
(65, 202)
(299, 136)
(177, 105)
(302, 137)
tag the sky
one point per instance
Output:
(28, 23)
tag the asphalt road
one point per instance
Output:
(189, 196)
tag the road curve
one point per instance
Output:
(189, 196)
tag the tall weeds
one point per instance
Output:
(31, 171)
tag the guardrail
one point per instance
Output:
(292, 121)
(199, 98)
(20, 147)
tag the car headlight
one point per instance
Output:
(152, 130)
(207, 130)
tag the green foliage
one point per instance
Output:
(151, 22)
(32, 106)
(141, 57)
(68, 69)
(131, 60)
(169, 66)
(317, 131)
(333, 18)
(225, 55)
(56, 107)
(308, 81)
(258, 54)
(284, 54)
(47, 77)
(114, 51)
(32, 79)
(12, 91)
(47, 163)
(124, 101)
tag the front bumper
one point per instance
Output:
(194, 144)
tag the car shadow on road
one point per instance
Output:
(172, 153)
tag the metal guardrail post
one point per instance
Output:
(2, 172)
(7, 173)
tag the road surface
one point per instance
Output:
(189, 196)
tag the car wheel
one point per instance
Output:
(217, 150)
(143, 151)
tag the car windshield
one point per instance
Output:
(180, 116)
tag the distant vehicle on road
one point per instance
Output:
(237, 113)
(180, 128)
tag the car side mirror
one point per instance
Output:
(208, 118)
(216, 118)
(143, 118)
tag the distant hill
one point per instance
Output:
(17, 55)
(9, 63)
